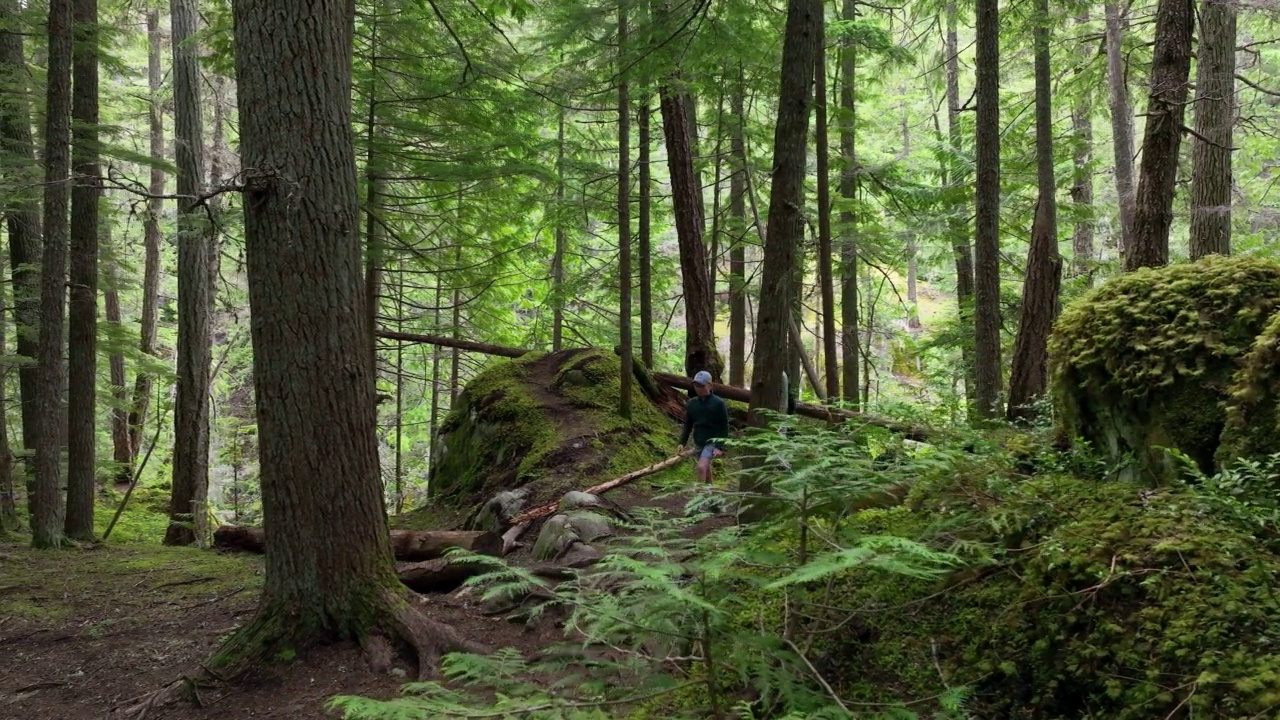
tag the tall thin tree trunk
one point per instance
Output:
(455, 360)
(561, 240)
(913, 263)
(435, 388)
(151, 239)
(849, 329)
(1215, 111)
(8, 499)
(375, 237)
(737, 247)
(624, 217)
(122, 453)
(1121, 121)
(196, 263)
(1170, 72)
(958, 225)
(700, 348)
(826, 271)
(1082, 187)
(48, 510)
(644, 249)
(22, 216)
(83, 334)
(1028, 378)
(987, 366)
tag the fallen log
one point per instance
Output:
(409, 545)
(437, 575)
(523, 519)
(442, 341)
(818, 412)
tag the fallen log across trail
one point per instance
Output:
(408, 545)
(729, 392)
(542, 511)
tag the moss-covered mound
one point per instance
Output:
(1106, 600)
(1253, 408)
(549, 422)
(1145, 361)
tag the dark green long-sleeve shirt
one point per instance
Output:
(707, 418)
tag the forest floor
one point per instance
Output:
(87, 628)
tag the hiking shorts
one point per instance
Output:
(707, 452)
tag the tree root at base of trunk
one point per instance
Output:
(400, 623)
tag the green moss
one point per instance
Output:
(1253, 407)
(547, 419)
(1146, 360)
(1100, 600)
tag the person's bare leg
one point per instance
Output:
(704, 469)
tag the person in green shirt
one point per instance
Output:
(706, 417)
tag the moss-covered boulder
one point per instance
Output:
(1145, 361)
(1253, 408)
(1109, 600)
(548, 422)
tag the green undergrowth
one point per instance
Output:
(54, 586)
(978, 576)
(549, 421)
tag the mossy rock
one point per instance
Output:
(1253, 407)
(546, 421)
(1108, 600)
(1146, 361)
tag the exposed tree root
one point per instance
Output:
(401, 622)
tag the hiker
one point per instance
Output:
(706, 416)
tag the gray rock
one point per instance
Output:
(576, 500)
(555, 538)
(589, 526)
(581, 555)
(496, 515)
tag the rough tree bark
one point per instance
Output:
(1082, 186)
(83, 307)
(122, 453)
(329, 572)
(850, 345)
(786, 195)
(624, 218)
(686, 197)
(197, 265)
(644, 250)
(151, 241)
(1028, 377)
(8, 499)
(47, 506)
(1170, 71)
(987, 367)
(22, 214)
(1215, 111)
(1121, 121)
(826, 271)
(957, 224)
(738, 225)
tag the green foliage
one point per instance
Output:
(1252, 411)
(1145, 361)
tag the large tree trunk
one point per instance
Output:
(1082, 186)
(700, 348)
(624, 217)
(987, 367)
(1028, 378)
(1121, 122)
(22, 214)
(197, 265)
(786, 196)
(151, 240)
(644, 249)
(1215, 111)
(47, 506)
(850, 344)
(826, 271)
(329, 571)
(737, 247)
(958, 223)
(1170, 71)
(83, 310)
(411, 545)
(122, 453)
